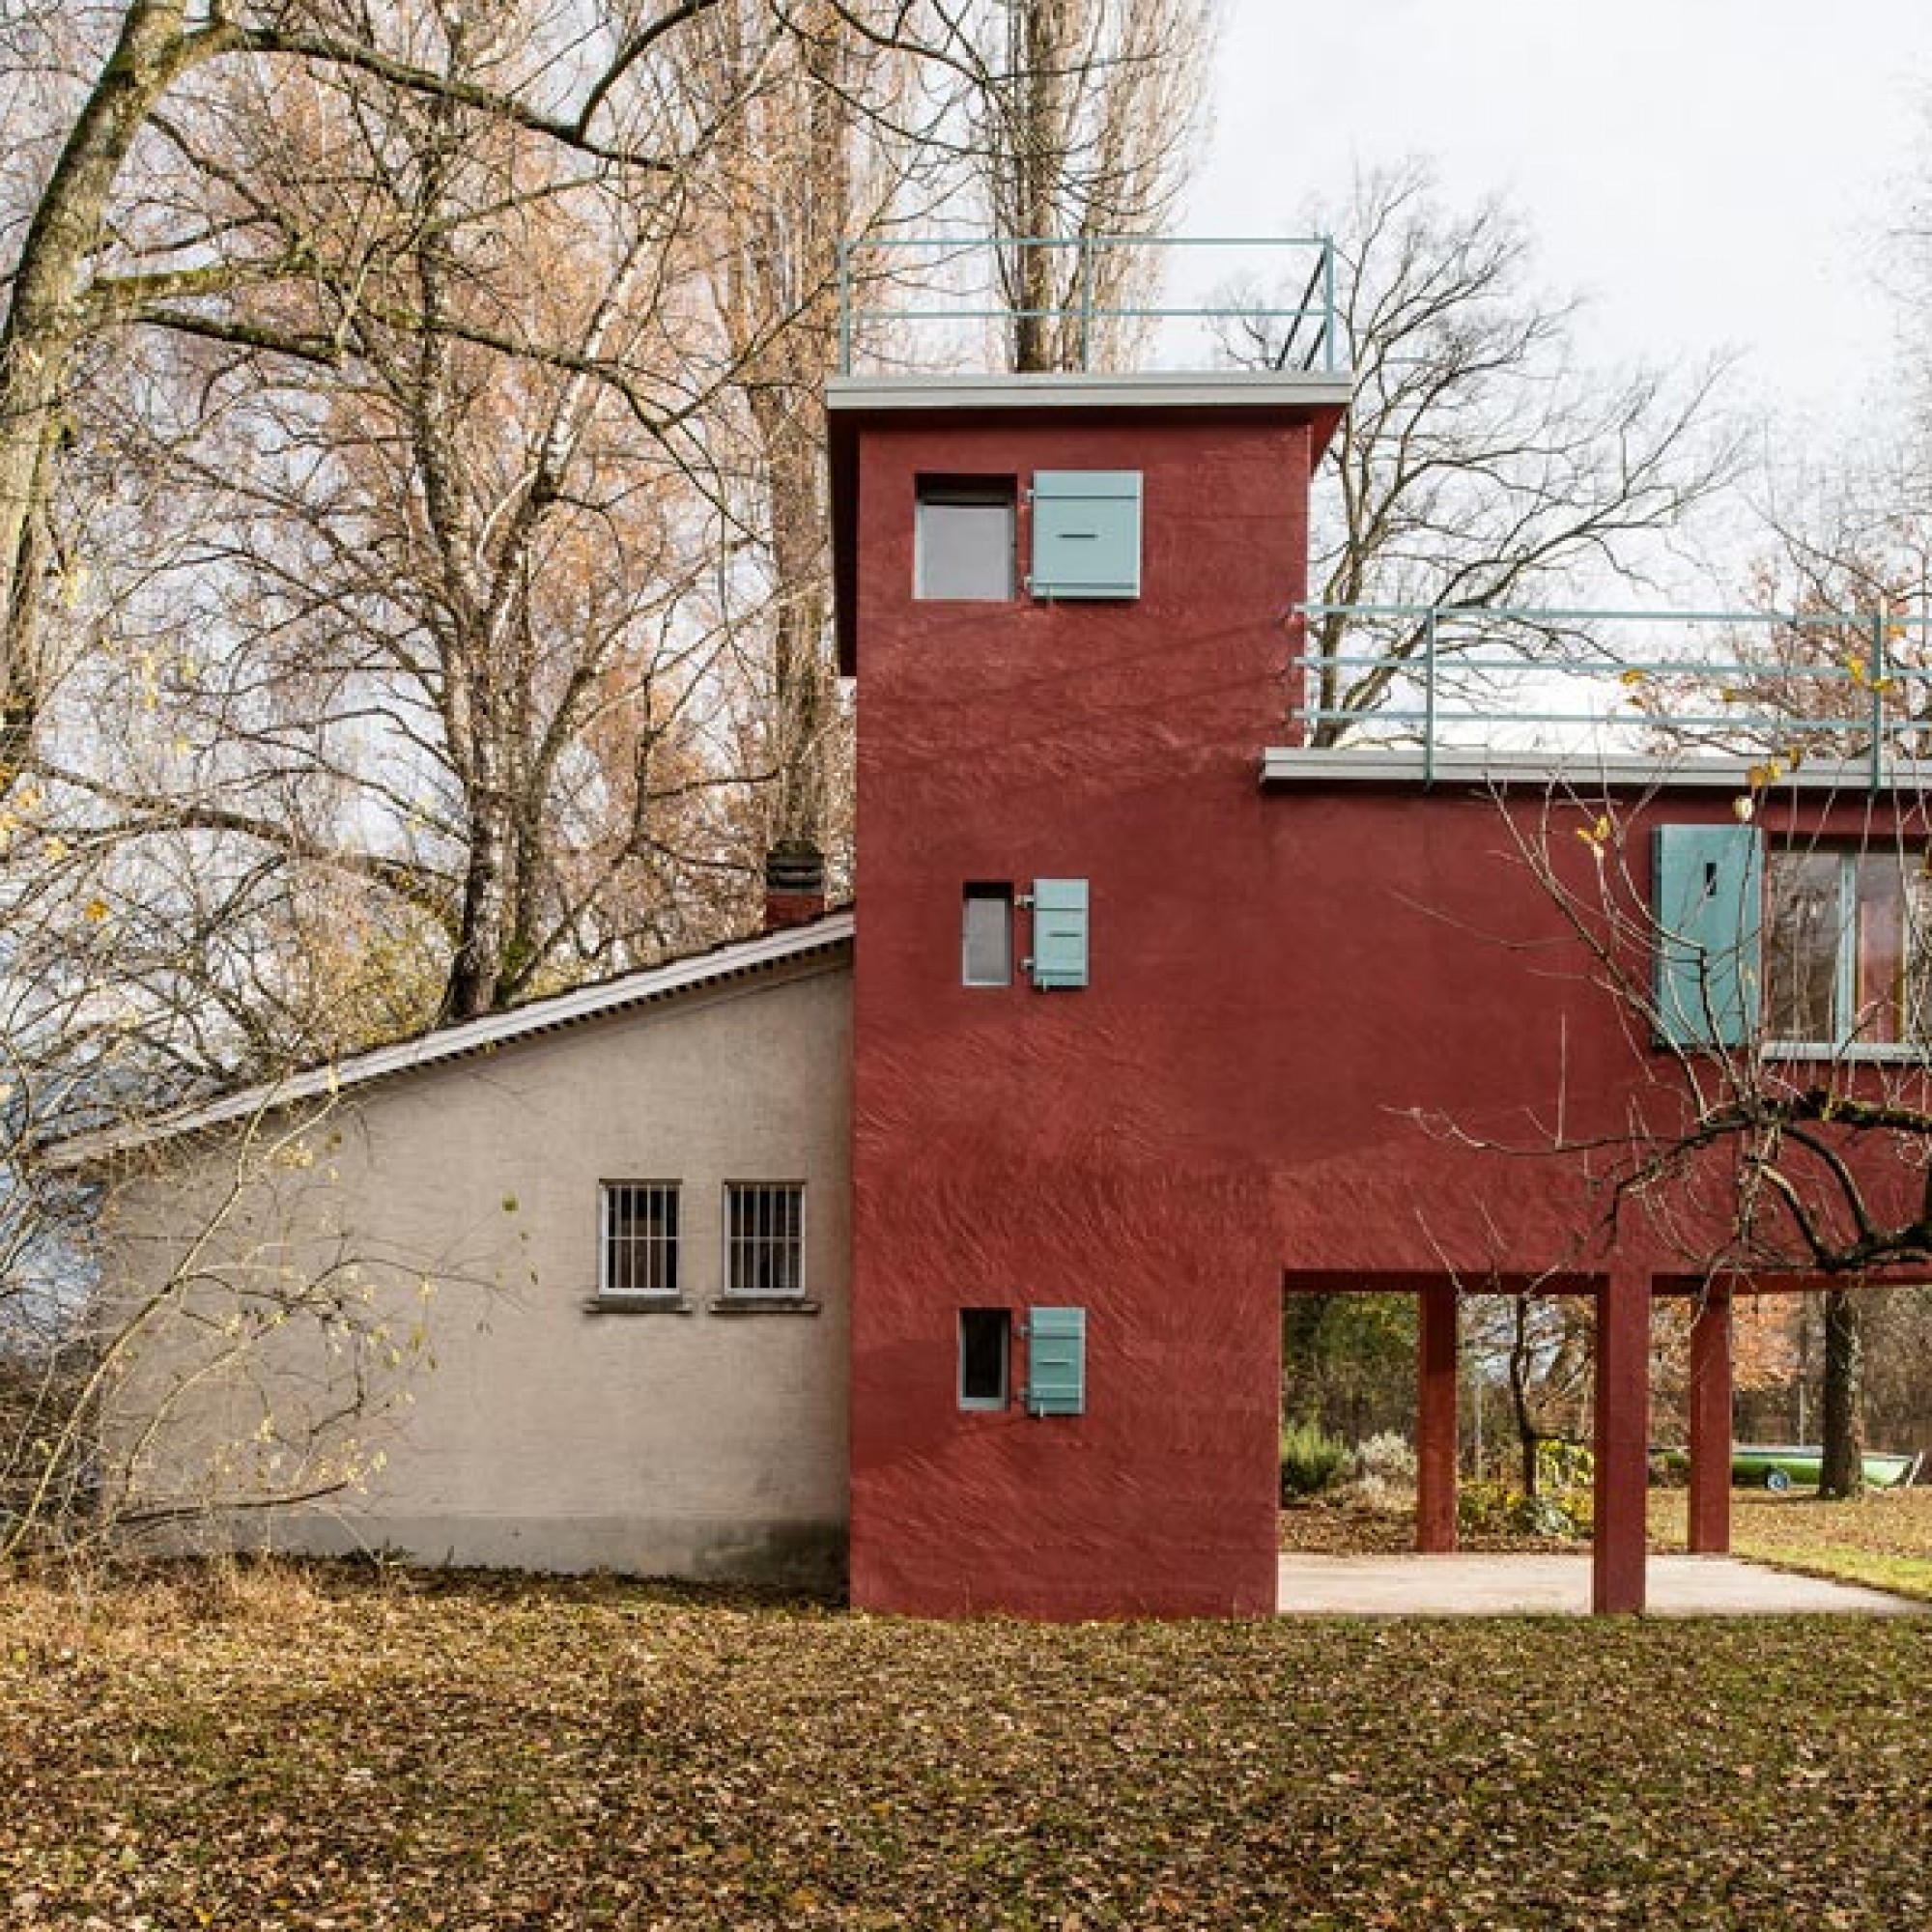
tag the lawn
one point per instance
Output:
(1883, 1540)
(333, 1748)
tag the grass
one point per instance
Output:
(1883, 1540)
(328, 1750)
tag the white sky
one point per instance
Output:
(1715, 173)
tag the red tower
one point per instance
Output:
(1068, 600)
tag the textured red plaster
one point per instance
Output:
(1710, 1509)
(1305, 1010)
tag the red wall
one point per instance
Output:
(1299, 1005)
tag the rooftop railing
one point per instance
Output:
(937, 305)
(1776, 688)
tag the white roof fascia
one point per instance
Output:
(643, 987)
(1214, 388)
(1288, 765)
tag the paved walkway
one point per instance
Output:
(1544, 1585)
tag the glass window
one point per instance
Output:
(764, 1238)
(985, 1347)
(640, 1245)
(987, 942)
(964, 546)
(1850, 953)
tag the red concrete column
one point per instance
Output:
(1436, 1421)
(1623, 1442)
(1711, 1424)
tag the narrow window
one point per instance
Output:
(986, 945)
(764, 1238)
(985, 1345)
(963, 544)
(640, 1243)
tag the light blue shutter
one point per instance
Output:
(1056, 1362)
(1085, 533)
(1709, 907)
(1059, 934)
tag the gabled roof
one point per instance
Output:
(738, 959)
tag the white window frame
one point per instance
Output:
(1846, 1045)
(985, 1405)
(730, 1292)
(986, 892)
(607, 1191)
(963, 492)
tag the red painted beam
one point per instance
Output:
(1436, 1420)
(1711, 1425)
(1623, 1443)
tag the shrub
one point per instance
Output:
(1386, 1462)
(1311, 1460)
(1564, 1507)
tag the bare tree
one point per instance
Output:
(1478, 465)
(1079, 117)
(1739, 1153)
(189, 1337)
(434, 638)
(122, 234)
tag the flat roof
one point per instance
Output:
(1181, 389)
(1284, 767)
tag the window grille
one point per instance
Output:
(639, 1238)
(764, 1238)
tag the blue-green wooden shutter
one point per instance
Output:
(1059, 934)
(1085, 533)
(1056, 1362)
(1709, 907)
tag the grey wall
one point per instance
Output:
(523, 1426)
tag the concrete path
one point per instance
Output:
(1544, 1585)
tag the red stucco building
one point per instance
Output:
(1160, 1014)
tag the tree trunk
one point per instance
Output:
(1845, 1472)
(1527, 1435)
(46, 318)
(1043, 63)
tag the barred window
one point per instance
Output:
(764, 1238)
(639, 1247)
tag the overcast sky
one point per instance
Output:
(1716, 173)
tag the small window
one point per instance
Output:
(985, 1347)
(964, 546)
(1850, 953)
(986, 943)
(764, 1238)
(640, 1245)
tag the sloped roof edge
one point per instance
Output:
(737, 959)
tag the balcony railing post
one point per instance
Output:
(1429, 697)
(1878, 699)
(844, 307)
(1329, 346)
(1087, 247)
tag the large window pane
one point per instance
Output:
(1880, 951)
(1803, 967)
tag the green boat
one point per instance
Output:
(1777, 1467)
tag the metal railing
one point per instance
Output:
(937, 303)
(1791, 685)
